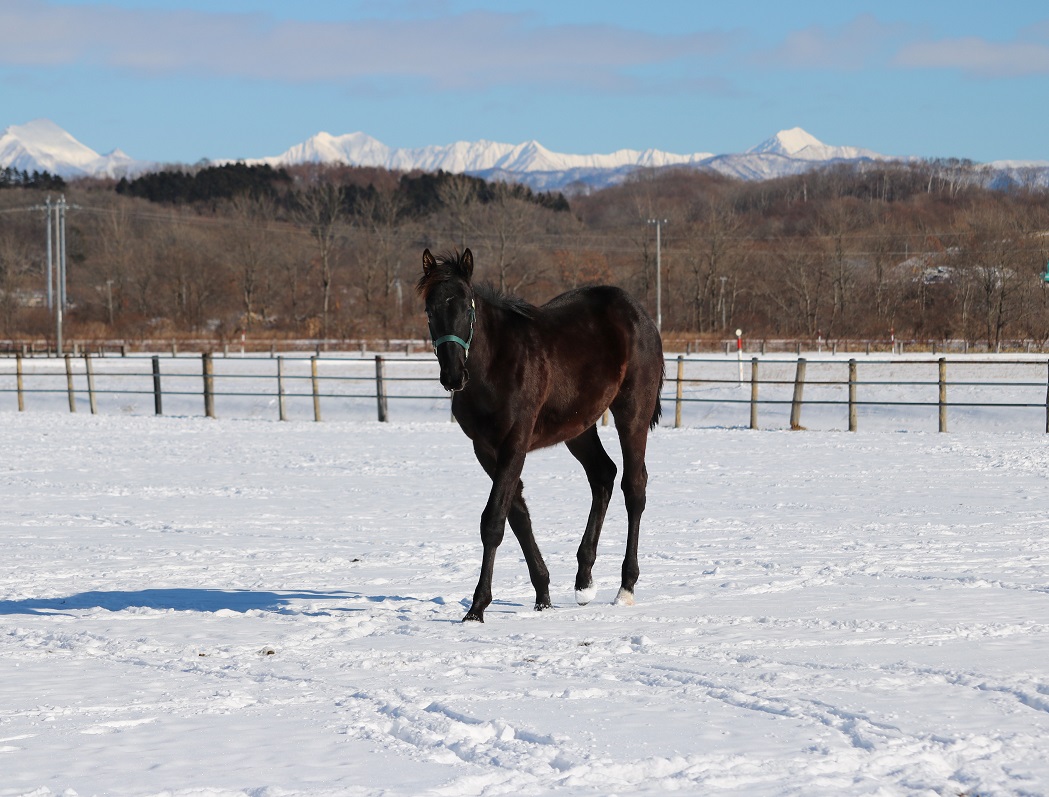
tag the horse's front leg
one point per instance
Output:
(505, 480)
(521, 523)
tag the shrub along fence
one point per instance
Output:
(1008, 391)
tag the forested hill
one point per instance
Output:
(19, 178)
(420, 192)
(916, 249)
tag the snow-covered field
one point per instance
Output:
(243, 606)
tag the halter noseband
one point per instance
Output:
(455, 338)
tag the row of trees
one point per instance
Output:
(20, 178)
(918, 248)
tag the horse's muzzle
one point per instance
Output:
(453, 385)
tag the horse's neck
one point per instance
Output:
(489, 322)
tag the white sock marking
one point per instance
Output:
(584, 596)
(624, 598)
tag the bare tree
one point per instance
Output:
(714, 245)
(253, 250)
(321, 210)
(512, 225)
(457, 194)
(18, 262)
(378, 272)
(798, 291)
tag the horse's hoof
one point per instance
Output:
(624, 598)
(584, 596)
(473, 617)
(543, 606)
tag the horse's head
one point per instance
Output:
(450, 312)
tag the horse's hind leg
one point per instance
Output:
(601, 473)
(633, 436)
(521, 524)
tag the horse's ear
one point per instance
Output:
(467, 262)
(428, 261)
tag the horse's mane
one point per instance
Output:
(450, 265)
(504, 301)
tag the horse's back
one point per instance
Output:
(606, 328)
(602, 309)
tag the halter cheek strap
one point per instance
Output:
(455, 338)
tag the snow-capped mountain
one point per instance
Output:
(800, 145)
(359, 149)
(788, 152)
(43, 146)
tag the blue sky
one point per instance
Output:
(180, 81)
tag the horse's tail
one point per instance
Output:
(658, 413)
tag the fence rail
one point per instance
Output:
(690, 345)
(759, 392)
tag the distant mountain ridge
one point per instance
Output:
(360, 149)
(41, 145)
(788, 152)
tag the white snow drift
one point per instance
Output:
(248, 607)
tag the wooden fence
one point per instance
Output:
(759, 389)
(1026, 387)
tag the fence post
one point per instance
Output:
(316, 393)
(90, 383)
(943, 394)
(69, 383)
(680, 382)
(380, 390)
(1046, 406)
(158, 406)
(753, 392)
(281, 409)
(795, 404)
(209, 385)
(21, 395)
(852, 395)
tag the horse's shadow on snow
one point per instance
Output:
(204, 600)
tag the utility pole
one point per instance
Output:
(659, 274)
(56, 263)
(50, 296)
(724, 323)
(55, 268)
(62, 252)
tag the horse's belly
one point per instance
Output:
(552, 428)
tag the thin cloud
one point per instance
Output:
(978, 57)
(854, 46)
(475, 50)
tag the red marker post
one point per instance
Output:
(739, 353)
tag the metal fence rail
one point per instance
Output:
(759, 392)
(946, 385)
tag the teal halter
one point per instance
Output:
(455, 338)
